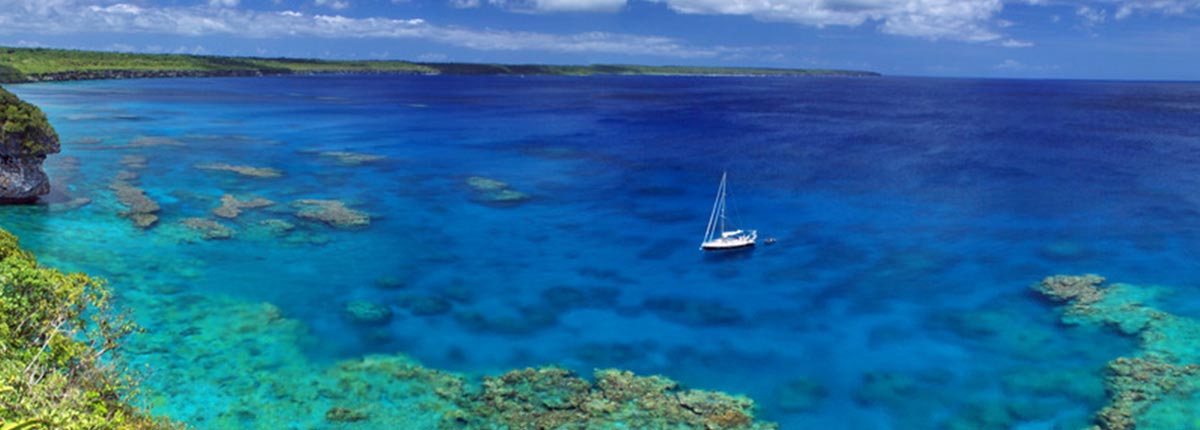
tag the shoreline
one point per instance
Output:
(105, 75)
(102, 75)
(28, 65)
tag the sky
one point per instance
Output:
(1086, 39)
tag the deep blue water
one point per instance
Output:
(911, 216)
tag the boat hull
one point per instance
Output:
(726, 246)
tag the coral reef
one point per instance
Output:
(70, 205)
(251, 171)
(151, 141)
(135, 162)
(209, 229)
(26, 138)
(491, 191)
(352, 158)
(1080, 291)
(141, 209)
(1135, 384)
(344, 415)
(1156, 387)
(522, 320)
(562, 297)
(693, 311)
(231, 207)
(422, 305)
(884, 387)
(366, 313)
(390, 283)
(332, 212)
(277, 226)
(800, 395)
(266, 383)
(554, 398)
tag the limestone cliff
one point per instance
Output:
(26, 138)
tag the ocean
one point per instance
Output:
(484, 223)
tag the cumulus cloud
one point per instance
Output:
(1168, 7)
(72, 16)
(964, 20)
(548, 6)
(1013, 43)
(332, 4)
(967, 20)
(1011, 65)
(1091, 16)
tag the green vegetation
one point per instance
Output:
(55, 332)
(23, 123)
(37, 64)
(25, 64)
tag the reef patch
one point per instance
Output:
(231, 206)
(249, 171)
(494, 192)
(331, 212)
(1155, 388)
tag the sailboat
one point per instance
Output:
(721, 235)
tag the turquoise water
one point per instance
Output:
(911, 216)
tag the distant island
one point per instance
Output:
(19, 65)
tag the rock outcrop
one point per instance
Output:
(26, 138)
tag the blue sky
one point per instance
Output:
(1107, 39)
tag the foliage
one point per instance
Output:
(25, 64)
(23, 122)
(57, 332)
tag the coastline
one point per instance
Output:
(25, 65)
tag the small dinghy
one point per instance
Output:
(721, 235)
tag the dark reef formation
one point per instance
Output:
(26, 138)
(1158, 387)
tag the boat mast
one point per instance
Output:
(717, 210)
(723, 203)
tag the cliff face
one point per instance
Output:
(26, 138)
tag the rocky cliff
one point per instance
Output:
(26, 138)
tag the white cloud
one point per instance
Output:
(1013, 43)
(333, 4)
(223, 3)
(432, 57)
(464, 4)
(1011, 66)
(1091, 16)
(1166, 7)
(75, 16)
(967, 20)
(195, 50)
(546, 6)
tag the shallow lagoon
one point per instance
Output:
(911, 217)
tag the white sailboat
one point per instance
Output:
(721, 234)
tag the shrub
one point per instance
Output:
(58, 333)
